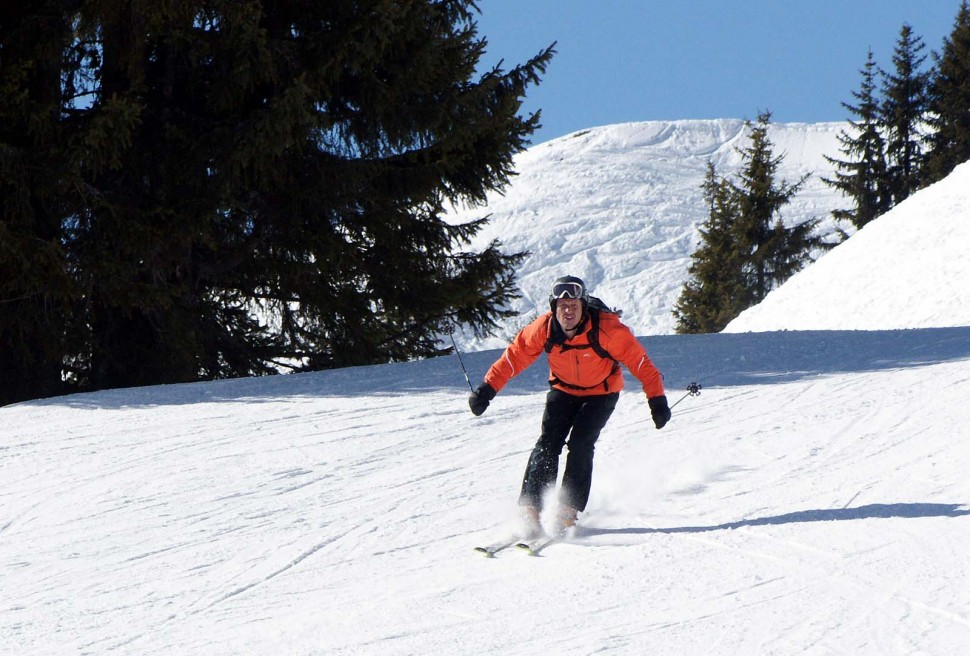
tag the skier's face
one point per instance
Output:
(569, 311)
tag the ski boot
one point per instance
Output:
(529, 527)
(565, 520)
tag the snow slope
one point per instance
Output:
(619, 206)
(906, 269)
(812, 500)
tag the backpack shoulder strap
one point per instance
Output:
(594, 336)
(550, 334)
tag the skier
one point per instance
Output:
(585, 343)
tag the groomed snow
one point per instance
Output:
(812, 500)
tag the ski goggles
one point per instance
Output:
(568, 290)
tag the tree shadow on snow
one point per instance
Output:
(778, 357)
(871, 511)
(714, 360)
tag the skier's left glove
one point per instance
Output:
(479, 399)
(659, 411)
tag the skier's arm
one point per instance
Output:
(522, 352)
(629, 352)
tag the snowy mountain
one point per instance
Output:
(814, 499)
(619, 206)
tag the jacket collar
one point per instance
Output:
(558, 335)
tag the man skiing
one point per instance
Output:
(585, 346)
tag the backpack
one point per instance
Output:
(595, 307)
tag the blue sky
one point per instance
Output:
(640, 60)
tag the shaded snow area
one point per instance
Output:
(910, 268)
(812, 500)
(619, 206)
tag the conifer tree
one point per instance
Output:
(949, 101)
(771, 252)
(35, 288)
(715, 293)
(252, 186)
(861, 176)
(902, 114)
(746, 250)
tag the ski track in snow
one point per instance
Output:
(799, 512)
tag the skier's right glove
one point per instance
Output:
(479, 399)
(659, 411)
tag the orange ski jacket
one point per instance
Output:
(575, 367)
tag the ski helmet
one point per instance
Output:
(568, 287)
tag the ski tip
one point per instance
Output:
(485, 552)
(526, 548)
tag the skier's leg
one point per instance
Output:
(578, 476)
(543, 467)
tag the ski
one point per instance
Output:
(490, 550)
(534, 547)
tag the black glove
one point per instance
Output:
(659, 411)
(479, 399)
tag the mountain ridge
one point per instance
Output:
(619, 206)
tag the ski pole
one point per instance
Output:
(694, 389)
(451, 333)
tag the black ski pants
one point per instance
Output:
(580, 418)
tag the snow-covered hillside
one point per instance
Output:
(814, 499)
(907, 269)
(619, 206)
